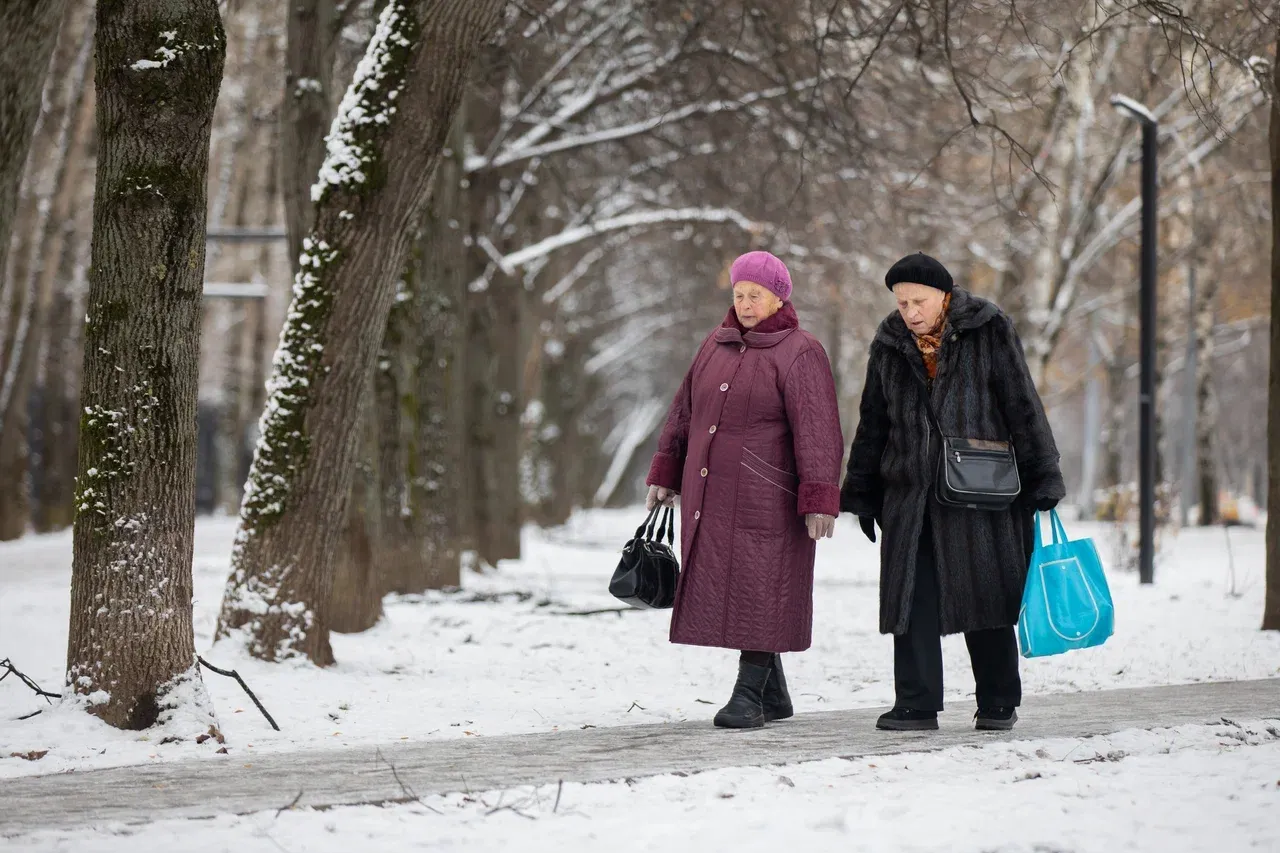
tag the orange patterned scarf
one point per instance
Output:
(931, 342)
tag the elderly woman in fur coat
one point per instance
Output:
(752, 445)
(945, 569)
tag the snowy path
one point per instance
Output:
(364, 775)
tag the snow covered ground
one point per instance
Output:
(1194, 788)
(505, 656)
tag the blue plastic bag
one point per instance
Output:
(1066, 603)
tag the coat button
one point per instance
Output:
(697, 515)
(724, 387)
(742, 348)
(704, 472)
(712, 430)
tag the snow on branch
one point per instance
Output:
(573, 236)
(523, 151)
(632, 433)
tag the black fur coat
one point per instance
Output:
(983, 390)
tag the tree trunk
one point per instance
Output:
(424, 344)
(1271, 609)
(1117, 409)
(50, 183)
(356, 600)
(392, 125)
(55, 507)
(131, 643)
(305, 116)
(1206, 421)
(28, 32)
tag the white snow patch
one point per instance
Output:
(444, 666)
(1189, 788)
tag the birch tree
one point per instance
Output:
(131, 648)
(382, 151)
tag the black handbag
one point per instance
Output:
(975, 473)
(647, 573)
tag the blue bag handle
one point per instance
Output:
(1059, 532)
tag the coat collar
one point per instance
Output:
(968, 312)
(768, 333)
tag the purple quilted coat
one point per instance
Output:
(752, 444)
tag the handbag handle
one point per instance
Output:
(646, 526)
(667, 529)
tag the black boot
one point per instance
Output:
(907, 720)
(777, 701)
(995, 719)
(746, 707)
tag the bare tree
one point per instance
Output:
(131, 650)
(382, 151)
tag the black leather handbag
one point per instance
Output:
(648, 571)
(975, 473)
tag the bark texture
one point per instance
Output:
(1271, 609)
(383, 149)
(159, 67)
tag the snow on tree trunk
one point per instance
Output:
(131, 651)
(306, 112)
(384, 145)
(1271, 610)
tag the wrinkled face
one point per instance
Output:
(754, 303)
(919, 305)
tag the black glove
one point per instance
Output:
(1045, 504)
(868, 526)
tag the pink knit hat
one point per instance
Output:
(765, 269)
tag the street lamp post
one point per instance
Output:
(1147, 312)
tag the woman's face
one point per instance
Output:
(919, 305)
(753, 303)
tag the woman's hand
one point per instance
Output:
(820, 526)
(659, 496)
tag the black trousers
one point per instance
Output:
(917, 654)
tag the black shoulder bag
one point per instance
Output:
(975, 473)
(647, 573)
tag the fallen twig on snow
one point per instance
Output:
(10, 669)
(291, 804)
(233, 674)
(404, 787)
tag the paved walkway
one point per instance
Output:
(205, 788)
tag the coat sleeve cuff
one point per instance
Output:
(821, 498)
(859, 499)
(665, 471)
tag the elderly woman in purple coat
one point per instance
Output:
(752, 446)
